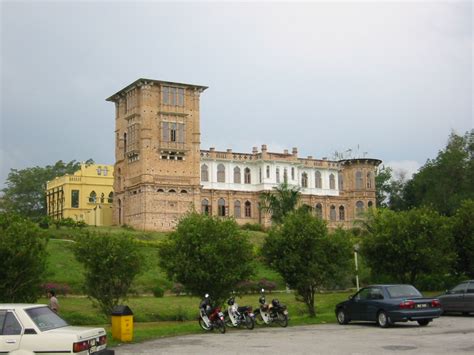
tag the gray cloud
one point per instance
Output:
(394, 78)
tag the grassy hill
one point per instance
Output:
(63, 268)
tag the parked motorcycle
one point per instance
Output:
(210, 317)
(236, 316)
(275, 312)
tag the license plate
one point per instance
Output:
(422, 305)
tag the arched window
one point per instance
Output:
(102, 198)
(184, 192)
(120, 211)
(237, 209)
(340, 181)
(277, 175)
(369, 180)
(204, 172)
(268, 171)
(92, 197)
(318, 182)
(160, 190)
(111, 197)
(342, 215)
(237, 175)
(221, 207)
(248, 209)
(319, 210)
(221, 173)
(359, 208)
(119, 179)
(332, 182)
(172, 191)
(285, 175)
(359, 180)
(304, 180)
(332, 213)
(124, 143)
(205, 208)
(370, 204)
(247, 177)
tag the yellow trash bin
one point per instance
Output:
(122, 323)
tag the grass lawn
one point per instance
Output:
(177, 315)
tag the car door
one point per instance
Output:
(468, 302)
(359, 305)
(10, 331)
(375, 298)
(453, 300)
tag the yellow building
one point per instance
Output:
(87, 195)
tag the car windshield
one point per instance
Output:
(45, 318)
(403, 291)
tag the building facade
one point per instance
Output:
(87, 195)
(161, 172)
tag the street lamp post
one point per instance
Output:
(356, 249)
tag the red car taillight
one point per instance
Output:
(80, 346)
(435, 304)
(102, 340)
(87, 344)
(407, 305)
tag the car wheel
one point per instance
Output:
(342, 316)
(383, 320)
(423, 322)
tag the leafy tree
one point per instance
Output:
(382, 185)
(22, 259)
(25, 193)
(207, 255)
(280, 202)
(447, 180)
(111, 263)
(463, 235)
(401, 246)
(301, 250)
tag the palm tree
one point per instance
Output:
(279, 202)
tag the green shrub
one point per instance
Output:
(158, 291)
(256, 227)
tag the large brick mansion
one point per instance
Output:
(161, 171)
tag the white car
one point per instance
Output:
(36, 329)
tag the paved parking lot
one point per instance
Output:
(446, 335)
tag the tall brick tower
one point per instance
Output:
(157, 153)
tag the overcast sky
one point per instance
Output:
(394, 78)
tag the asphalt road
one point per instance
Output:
(446, 335)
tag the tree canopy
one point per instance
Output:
(279, 202)
(301, 250)
(444, 182)
(463, 235)
(22, 259)
(401, 246)
(25, 191)
(207, 255)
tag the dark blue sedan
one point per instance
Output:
(387, 304)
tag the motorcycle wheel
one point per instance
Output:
(282, 319)
(228, 321)
(258, 318)
(249, 322)
(221, 326)
(203, 325)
